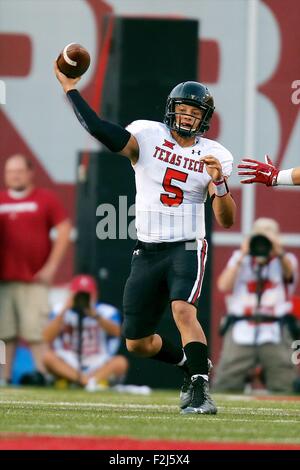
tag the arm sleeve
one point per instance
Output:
(113, 136)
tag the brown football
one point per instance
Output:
(74, 60)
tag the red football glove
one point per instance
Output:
(265, 173)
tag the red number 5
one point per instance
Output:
(177, 192)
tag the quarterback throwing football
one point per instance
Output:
(175, 168)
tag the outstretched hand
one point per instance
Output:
(265, 173)
(66, 82)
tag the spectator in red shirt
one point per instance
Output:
(28, 257)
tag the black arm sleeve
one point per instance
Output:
(113, 136)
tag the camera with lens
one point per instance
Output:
(260, 246)
(81, 302)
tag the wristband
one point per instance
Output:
(221, 188)
(285, 177)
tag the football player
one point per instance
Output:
(175, 168)
(266, 173)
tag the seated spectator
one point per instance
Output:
(84, 336)
(260, 279)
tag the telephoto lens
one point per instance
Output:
(81, 302)
(260, 246)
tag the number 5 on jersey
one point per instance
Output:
(177, 193)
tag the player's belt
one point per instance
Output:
(160, 246)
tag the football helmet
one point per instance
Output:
(194, 94)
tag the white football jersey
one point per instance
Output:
(172, 183)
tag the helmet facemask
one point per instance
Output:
(182, 130)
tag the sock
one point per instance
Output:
(169, 352)
(196, 354)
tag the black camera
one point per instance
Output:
(260, 246)
(81, 302)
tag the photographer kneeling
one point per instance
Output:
(84, 336)
(260, 277)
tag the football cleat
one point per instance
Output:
(185, 396)
(187, 387)
(201, 403)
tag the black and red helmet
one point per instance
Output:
(194, 94)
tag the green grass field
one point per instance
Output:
(76, 412)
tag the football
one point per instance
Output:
(74, 60)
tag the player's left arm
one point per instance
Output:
(222, 202)
(114, 137)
